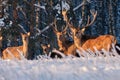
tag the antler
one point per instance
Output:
(94, 14)
(55, 27)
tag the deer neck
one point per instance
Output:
(25, 48)
(60, 44)
(77, 42)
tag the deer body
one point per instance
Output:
(101, 42)
(71, 50)
(12, 52)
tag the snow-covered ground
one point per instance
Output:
(86, 68)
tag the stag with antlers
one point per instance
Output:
(64, 45)
(85, 42)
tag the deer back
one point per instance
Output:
(11, 52)
(101, 42)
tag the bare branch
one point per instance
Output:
(43, 30)
(94, 14)
(83, 3)
(20, 8)
(42, 7)
(80, 5)
(22, 28)
(80, 22)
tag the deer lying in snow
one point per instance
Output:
(68, 48)
(51, 53)
(101, 42)
(15, 52)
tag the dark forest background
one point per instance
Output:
(36, 16)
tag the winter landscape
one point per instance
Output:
(59, 40)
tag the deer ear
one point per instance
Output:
(82, 30)
(48, 45)
(1, 38)
(28, 33)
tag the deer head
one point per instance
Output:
(45, 48)
(25, 40)
(60, 37)
(78, 33)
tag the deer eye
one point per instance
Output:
(78, 34)
(61, 38)
(25, 38)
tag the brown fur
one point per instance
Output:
(67, 47)
(101, 42)
(13, 50)
(45, 48)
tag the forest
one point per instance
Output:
(39, 16)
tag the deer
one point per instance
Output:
(14, 52)
(86, 42)
(63, 44)
(45, 48)
(50, 53)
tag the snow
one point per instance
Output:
(65, 6)
(42, 7)
(84, 68)
(1, 22)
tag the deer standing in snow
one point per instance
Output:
(15, 52)
(89, 42)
